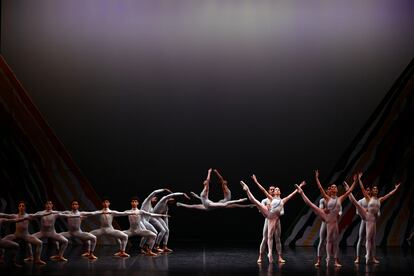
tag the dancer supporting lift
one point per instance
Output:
(362, 227)
(330, 215)
(370, 215)
(272, 213)
(207, 204)
(278, 231)
(74, 219)
(137, 228)
(161, 223)
(106, 218)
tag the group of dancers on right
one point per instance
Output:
(329, 210)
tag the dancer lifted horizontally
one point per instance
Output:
(330, 215)
(370, 215)
(272, 212)
(207, 204)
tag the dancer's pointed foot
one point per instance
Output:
(158, 249)
(356, 260)
(244, 186)
(178, 204)
(337, 263)
(54, 257)
(271, 261)
(260, 260)
(375, 260)
(281, 260)
(318, 262)
(187, 196)
(167, 250)
(60, 259)
(118, 253)
(86, 254)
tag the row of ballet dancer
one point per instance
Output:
(151, 220)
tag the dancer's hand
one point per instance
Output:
(346, 186)
(303, 183)
(359, 175)
(317, 173)
(299, 189)
(355, 177)
(254, 178)
(168, 190)
(397, 185)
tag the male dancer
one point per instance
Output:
(137, 228)
(147, 206)
(47, 230)
(8, 244)
(161, 223)
(74, 219)
(22, 233)
(106, 218)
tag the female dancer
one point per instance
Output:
(330, 215)
(207, 204)
(370, 215)
(272, 213)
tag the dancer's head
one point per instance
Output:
(134, 202)
(368, 191)
(21, 207)
(74, 205)
(154, 200)
(105, 202)
(374, 191)
(276, 192)
(271, 190)
(333, 189)
(328, 191)
(48, 205)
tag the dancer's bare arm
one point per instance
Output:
(397, 185)
(286, 199)
(269, 196)
(364, 192)
(325, 196)
(347, 192)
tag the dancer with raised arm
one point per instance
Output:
(161, 223)
(22, 233)
(207, 204)
(370, 214)
(330, 215)
(148, 206)
(137, 228)
(106, 218)
(74, 219)
(272, 213)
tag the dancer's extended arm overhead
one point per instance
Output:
(269, 196)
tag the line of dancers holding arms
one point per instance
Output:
(151, 221)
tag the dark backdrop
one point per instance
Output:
(148, 93)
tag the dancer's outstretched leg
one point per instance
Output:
(361, 237)
(262, 208)
(224, 187)
(192, 206)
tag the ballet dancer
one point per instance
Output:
(137, 228)
(207, 204)
(147, 206)
(22, 233)
(272, 213)
(370, 215)
(362, 227)
(278, 231)
(74, 219)
(8, 244)
(47, 230)
(106, 218)
(161, 223)
(330, 215)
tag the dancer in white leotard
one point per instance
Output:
(370, 215)
(74, 219)
(278, 231)
(47, 230)
(161, 223)
(107, 229)
(137, 228)
(22, 233)
(362, 227)
(272, 212)
(330, 215)
(147, 206)
(207, 204)
(8, 244)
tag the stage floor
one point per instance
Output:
(207, 260)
